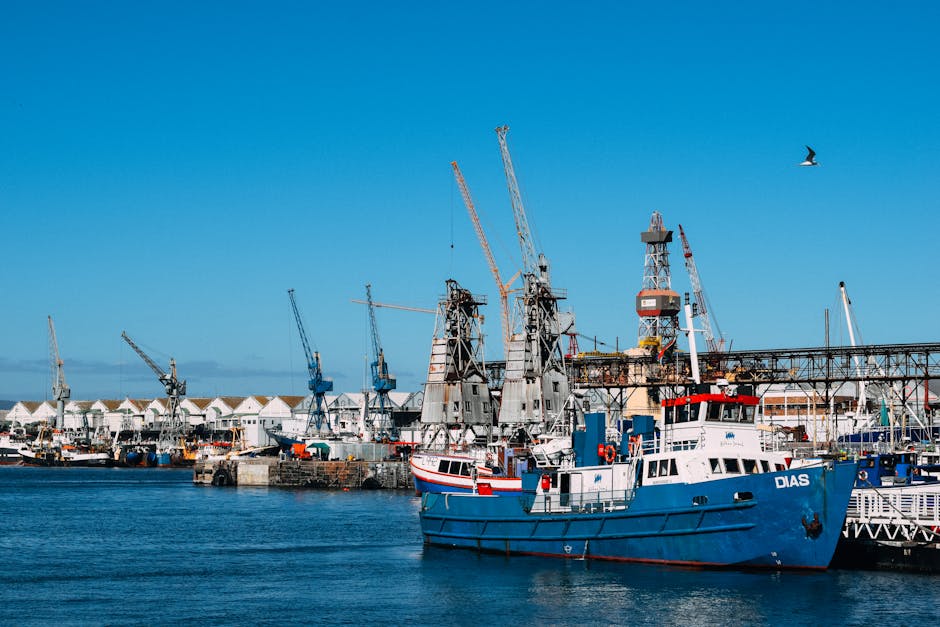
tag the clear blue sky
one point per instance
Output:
(172, 168)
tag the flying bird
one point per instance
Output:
(810, 157)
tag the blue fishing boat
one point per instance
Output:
(693, 488)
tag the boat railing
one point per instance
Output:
(895, 505)
(579, 502)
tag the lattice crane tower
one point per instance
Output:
(657, 304)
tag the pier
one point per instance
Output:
(299, 473)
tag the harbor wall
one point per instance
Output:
(297, 473)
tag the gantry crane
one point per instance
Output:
(174, 387)
(715, 344)
(382, 382)
(502, 288)
(60, 389)
(317, 384)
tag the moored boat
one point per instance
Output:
(699, 490)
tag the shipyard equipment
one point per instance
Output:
(60, 389)
(535, 387)
(714, 344)
(175, 387)
(317, 385)
(501, 287)
(382, 381)
(657, 304)
(456, 396)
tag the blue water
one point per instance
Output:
(145, 546)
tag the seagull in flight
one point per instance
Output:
(810, 157)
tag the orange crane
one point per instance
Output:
(502, 288)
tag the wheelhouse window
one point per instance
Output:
(731, 465)
(443, 466)
(680, 413)
(715, 464)
(652, 469)
(664, 467)
(764, 465)
(750, 466)
(672, 468)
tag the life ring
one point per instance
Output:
(610, 453)
(862, 475)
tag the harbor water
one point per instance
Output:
(146, 546)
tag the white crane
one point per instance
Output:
(60, 389)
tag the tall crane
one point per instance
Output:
(175, 387)
(715, 344)
(317, 384)
(536, 384)
(60, 389)
(382, 382)
(502, 288)
(529, 257)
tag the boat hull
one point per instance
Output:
(660, 524)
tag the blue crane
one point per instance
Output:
(382, 382)
(317, 384)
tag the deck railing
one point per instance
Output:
(580, 502)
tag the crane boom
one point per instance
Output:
(382, 381)
(502, 288)
(529, 257)
(153, 365)
(60, 389)
(714, 344)
(317, 384)
(388, 306)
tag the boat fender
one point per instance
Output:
(610, 453)
(862, 475)
(546, 482)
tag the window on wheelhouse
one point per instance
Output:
(443, 466)
(652, 469)
(680, 413)
(731, 465)
(715, 464)
(750, 466)
(664, 467)
(764, 466)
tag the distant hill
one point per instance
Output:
(7, 404)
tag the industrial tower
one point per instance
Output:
(456, 395)
(657, 304)
(535, 387)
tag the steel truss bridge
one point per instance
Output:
(826, 366)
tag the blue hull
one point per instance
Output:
(770, 529)
(437, 488)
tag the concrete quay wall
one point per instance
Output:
(295, 473)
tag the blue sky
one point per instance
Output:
(171, 169)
